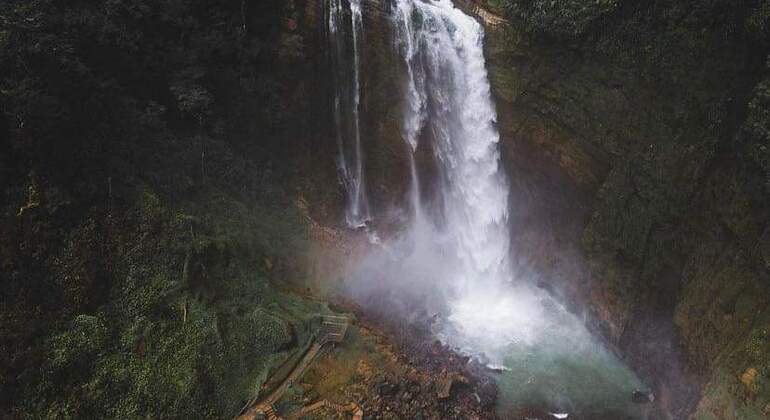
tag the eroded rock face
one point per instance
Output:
(383, 113)
(640, 186)
(382, 82)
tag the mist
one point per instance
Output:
(451, 269)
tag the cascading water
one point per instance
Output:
(451, 267)
(448, 94)
(345, 25)
(414, 117)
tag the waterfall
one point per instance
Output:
(451, 267)
(414, 116)
(345, 24)
(448, 94)
(453, 258)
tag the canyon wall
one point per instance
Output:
(636, 138)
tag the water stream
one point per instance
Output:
(452, 263)
(345, 25)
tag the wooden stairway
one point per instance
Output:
(317, 406)
(333, 329)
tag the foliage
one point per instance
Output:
(756, 130)
(562, 19)
(131, 287)
(86, 337)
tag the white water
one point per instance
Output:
(452, 264)
(448, 94)
(345, 25)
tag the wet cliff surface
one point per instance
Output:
(637, 131)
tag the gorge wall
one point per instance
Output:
(638, 131)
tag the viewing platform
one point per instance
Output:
(332, 330)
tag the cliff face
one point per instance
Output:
(383, 81)
(636, 139)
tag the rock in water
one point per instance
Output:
(642, 397)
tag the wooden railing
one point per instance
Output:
(332, 330)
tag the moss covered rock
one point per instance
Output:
(650, 116)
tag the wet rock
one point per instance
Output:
(487, 393)
(445, 383)
(749, 380)
(363, 370)
(642, 397)
(413, 387)
(387, 389)
(495, 369)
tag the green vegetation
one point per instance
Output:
(148, 204)
(563, 19)
(755, 134)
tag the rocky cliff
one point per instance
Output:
(636, 138)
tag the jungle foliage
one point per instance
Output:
(143, 216)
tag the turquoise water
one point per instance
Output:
(566, 370)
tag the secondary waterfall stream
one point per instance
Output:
(346, 26)
(451, 266)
